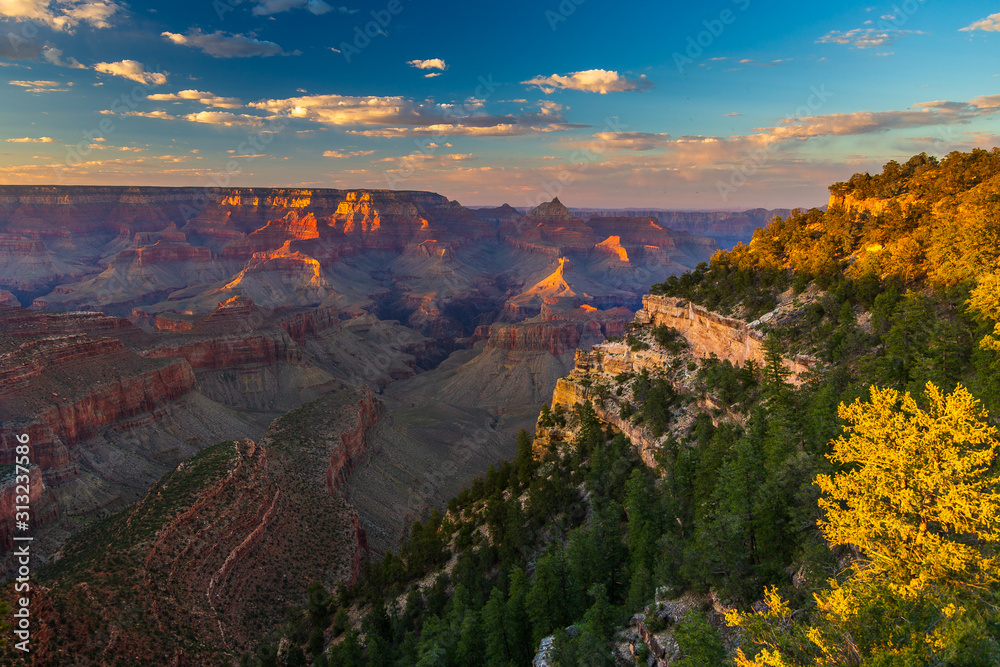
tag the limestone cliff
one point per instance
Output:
(604, 374)
(709, 333)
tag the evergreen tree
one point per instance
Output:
(494, 623)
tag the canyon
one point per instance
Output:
(157, 321)
(360, 355)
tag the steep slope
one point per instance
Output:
(212, 557)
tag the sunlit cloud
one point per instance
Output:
(31, 140)
(132, 70)
(225, 45)
(433, 63)
(591, 81)
(208, 99)
(348, 154)
(63, 15)
(866, 38)
(989, 24)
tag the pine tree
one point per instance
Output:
(518, 626)
(525, 459)
(497, 644)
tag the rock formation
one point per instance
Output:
(212, 558)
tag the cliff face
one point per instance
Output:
(710, 333)
(604, 365)
(872, 206)
(354, 445)
(63, 389)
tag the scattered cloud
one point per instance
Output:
(224, 118)
(865, 38)
(433, 63)
(989, 24)
(343, 155)
(498, 129)
(133, 71)
(208, 99)
(317, 7)
(591, 81)
(732, 115)
(30, 140)
(635, 141)
(402, 117)
(43, 86)
(225, 45)
(63, 15)
(54, 56)
(221, 118)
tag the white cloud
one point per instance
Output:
(54, 56)
(343, 155)
(432, 75)
(865, 38)
(990, 24)
(132, 70)
(592, 81)
(224, 118)
(224, 45)
(433, 63)
(62, 15)
(208, 99)
(30, 140)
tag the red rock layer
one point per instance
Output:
(204, 353)
(354, 443)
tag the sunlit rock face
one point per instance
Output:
(415, 257)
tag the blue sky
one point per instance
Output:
(724, 104)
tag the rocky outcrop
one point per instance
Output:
(554, 338)
(709, 333)
(8, 300)
(872, 206)
(611, 365)
(354, 443)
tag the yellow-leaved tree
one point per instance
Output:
(918, 499)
